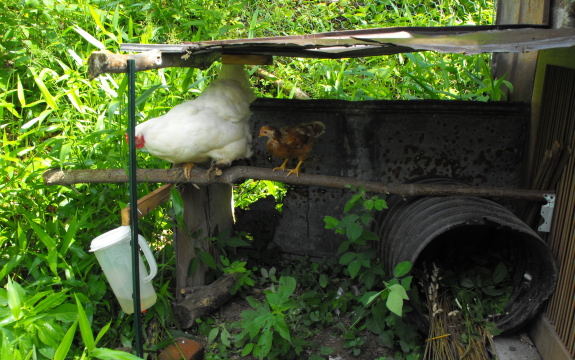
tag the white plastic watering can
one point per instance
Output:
(114, 253)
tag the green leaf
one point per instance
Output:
(52, 259)
(354, 267)
(108, 354)
(20, 91)
(347, 258)
(208, 259)
(236, 242)
(265, 343)
(43, 89)
(351, 202)
(142, 98)
(323, 280)
(247, 349)
(286, 288)
(88, 37)
(85, 328)
(499, 273)
(66, 343)
(225, 337)
(353, 231)
(398, 289)
(65, 152)
(65, 312)
(177, 205)
(394, 303)
(49, 333)
(330, 222)
(102, 332)
(326, 350)
(402, 269)
(368, 298)
(16, 297)
(281, 327)
(213, 335)
(41, 233)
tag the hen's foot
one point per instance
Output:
(214, 171)
(187, 169)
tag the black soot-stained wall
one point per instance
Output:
(387, 141)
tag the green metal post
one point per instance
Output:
(134, 205)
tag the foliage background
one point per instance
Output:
(51, 116)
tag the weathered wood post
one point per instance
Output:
(207, 211)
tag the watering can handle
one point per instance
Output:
(149, 257)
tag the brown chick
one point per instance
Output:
(292, 141)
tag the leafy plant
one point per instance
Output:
(381, 298)
(265, 331)
(90, 342)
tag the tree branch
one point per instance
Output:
(105, 61)
(236, 174)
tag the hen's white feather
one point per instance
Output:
(214, 126)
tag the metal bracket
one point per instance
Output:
(547, 213)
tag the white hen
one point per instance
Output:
(214, 126)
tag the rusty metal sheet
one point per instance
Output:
(389, 141)
(383, 41)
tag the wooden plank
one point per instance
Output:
(545, 338)
(519, 68)
(558, 57)
(148, 203)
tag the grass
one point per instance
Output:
(53, 117)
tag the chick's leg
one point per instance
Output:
(282, 166)
(296, 170)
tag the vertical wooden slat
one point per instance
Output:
(557, 123)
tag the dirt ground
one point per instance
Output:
(328, 338)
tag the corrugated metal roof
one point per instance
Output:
(382, 41)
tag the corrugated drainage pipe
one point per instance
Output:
(453, 229)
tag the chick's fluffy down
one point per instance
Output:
(214, 126)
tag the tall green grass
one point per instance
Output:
(53, 117)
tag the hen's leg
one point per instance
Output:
(215, 168)
(282, 166)
(187, 169)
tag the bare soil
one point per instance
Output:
(327, 338)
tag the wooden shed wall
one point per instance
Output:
(554, 101)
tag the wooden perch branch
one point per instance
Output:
(237, 173)
(104, 61)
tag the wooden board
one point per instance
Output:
(519, 68)
(545, 338)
